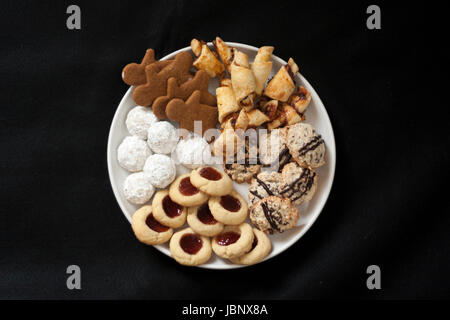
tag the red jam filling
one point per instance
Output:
(186, 188)
(171, 208)
(230, 203)
(155, 225)
(210, 174)
(205, 216)
(227, 238)
(191, 243)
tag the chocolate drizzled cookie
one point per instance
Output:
(306, 146)
(274, 214)
(298, 184)
(263, 185)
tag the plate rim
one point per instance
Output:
(331, 146)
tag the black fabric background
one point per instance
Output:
(60, 89)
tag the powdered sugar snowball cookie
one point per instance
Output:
(160, 169)
(137, 188)
(193, 152)
(162, 137)
(139, 119)
(132, 153)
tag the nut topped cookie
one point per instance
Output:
(274, 214)
(211, 181)
(298, 184)
(263, 185)
(306, 146)
(189, 248)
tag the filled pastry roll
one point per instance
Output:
(256, 118)
(225, 52)
(283, 83)
(286, 116)
(242, 120)
(262, 67)
(300, 99)
(206, 59)
(270, 109)
(243, 80)
(226, 102)
(292, 117)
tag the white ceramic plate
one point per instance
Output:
(316, 115)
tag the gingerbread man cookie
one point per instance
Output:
(186, 113)
(156, 84)
(174, 90)
(133, 74)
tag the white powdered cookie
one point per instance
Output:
(132, 153)
(137, 188)
(160, 169)
(162, 137)
(139, 120)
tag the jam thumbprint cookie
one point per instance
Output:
(147, 229)
(183, 192)
(230, 209)
(190, 248)
(274, 214)
(261, 247)
(202, 221)
(233, 241)
(168, 212)
(211, 181)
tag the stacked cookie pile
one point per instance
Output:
(295, 151)
(206, 200)
(172, 91)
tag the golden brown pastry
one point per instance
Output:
(206, 59)
(242, 120)
(226, 102)
(225, 52)
(256, 118)
(262, 67)
(243, 80)
(286, 115)
(300, 99)
(282, 84)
